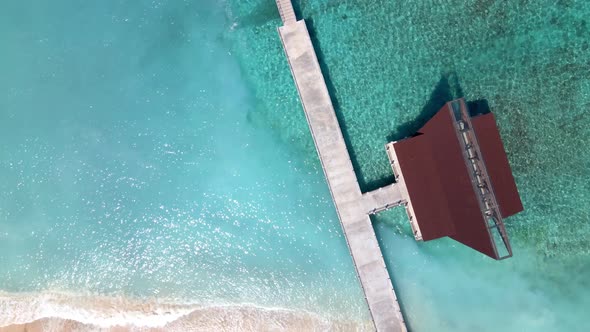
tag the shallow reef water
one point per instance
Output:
(389, 66)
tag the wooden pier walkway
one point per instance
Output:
(353, 207)
(286, 11)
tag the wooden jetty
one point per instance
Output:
(353, 207)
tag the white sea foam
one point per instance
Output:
(51, 311)
(88, 309)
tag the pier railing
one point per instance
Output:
(480, 179)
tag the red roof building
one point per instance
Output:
(456, 180)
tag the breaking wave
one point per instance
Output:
(57, 311)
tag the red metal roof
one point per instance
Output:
(499, 170)
(440, 187)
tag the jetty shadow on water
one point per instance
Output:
(298, 9)
(364, 185)
(332, 92)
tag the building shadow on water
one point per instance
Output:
(441, 94)
(447, 89)
(478, 107)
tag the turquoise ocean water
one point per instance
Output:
(156, 152)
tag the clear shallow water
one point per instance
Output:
(158, 151)
(389, 63)
(129, 167)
